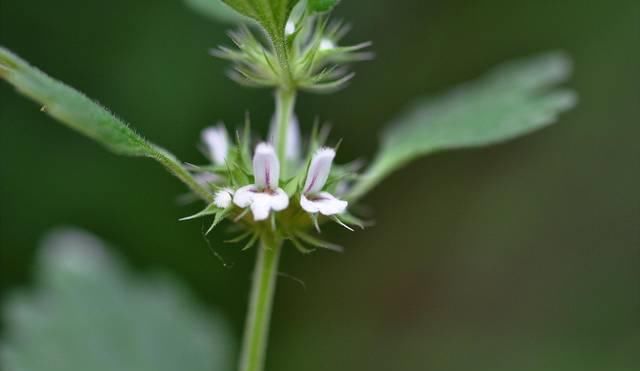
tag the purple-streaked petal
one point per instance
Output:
(319, 170)
(266, 167)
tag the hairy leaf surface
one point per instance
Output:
(80, 113)
(87, 312)
(512, 100)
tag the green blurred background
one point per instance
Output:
(524, 256)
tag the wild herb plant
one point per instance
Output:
(280, 189)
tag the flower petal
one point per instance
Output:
(326, 44)
(289, 28)
(261, 206)
(319, 170)
(266, 167)
(223, 198)
(293, 145)
(308, 205)
(263, 203)
(279, 200)
(243, 197)
(324, 203)
(217, 142)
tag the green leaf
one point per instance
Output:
(216, 10)
(272, 15)
(87, 312)
(513, 100)
(321, 5)
(80, 113)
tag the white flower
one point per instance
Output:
(264, 195)
(289, 28)
(326, 44)
(313, 200)
(293, 145)
(217, 142)
(223, 198)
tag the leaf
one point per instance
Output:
(216, 10)
(272, 15)
(87, 312)
(80, 113)
(513, 100)
(321, 5)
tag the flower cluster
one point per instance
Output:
(274, 187)
(251, 189)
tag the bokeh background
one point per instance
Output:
(524, 256)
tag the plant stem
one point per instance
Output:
(257, 323)
(176, 168)
(285, 102)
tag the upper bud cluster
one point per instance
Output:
(314, 59)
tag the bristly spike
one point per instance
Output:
(273, 221)
(251, 242)
(336, 219)
(317, 63)
(219, 218)
(299, 246)
(239, 237)
(211, 209)
(305, 237)
(314, 219)
(337, 146)
(241, 215)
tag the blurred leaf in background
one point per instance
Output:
(87, 312)
(513, 100)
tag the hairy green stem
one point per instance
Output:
(263, 287)
(176, 168)
(285, 102)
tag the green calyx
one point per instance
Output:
(315, 62)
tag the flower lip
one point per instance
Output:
(264, 195)
(261, 202)
(323, 203)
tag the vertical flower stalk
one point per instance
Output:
(308, 58)
(256, 330)
(285, 103)
(265, 272)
